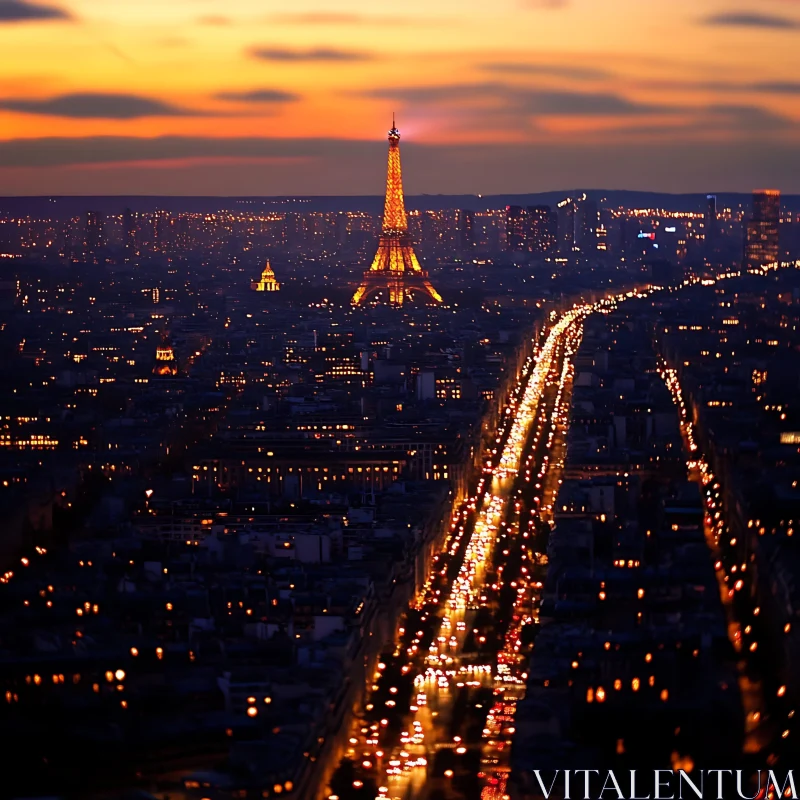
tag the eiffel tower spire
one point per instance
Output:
(395, 266)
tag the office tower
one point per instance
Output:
(465, 225)
(607, 240)
(516, 229)
(395, 266)
(182, 233)
(566, 225)
(623, 237)
(587, 223)
(129, 232)
(161, 231)
(95, 233)
(761, 244)
(542, 229)
(711, 224)
(601, 236)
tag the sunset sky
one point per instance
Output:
(258, 97)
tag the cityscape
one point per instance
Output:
(385, 494)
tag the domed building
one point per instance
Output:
(267, 282)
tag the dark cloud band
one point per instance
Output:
(313, 54)
(25, 11)
(752, 20)
(258, 96)
(91, 105)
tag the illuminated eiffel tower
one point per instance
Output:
(395, 266)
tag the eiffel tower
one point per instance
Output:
(395, 266)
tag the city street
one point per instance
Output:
(439, 720)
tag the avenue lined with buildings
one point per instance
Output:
(442, 703)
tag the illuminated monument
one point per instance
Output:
(395, 266)
(267, 282)
(166, 364)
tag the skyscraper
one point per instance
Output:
(587, 222)
(607, 241)
(566, 225)
(395, 266)
(95, 234)
(516, 233)
(711, 224)
(161, 231)
(465, 222)
(761, 244)
(129, 232)
(542, 229)
(182, 238)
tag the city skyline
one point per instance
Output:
(254, 99)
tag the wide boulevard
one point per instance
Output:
(439, 719)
